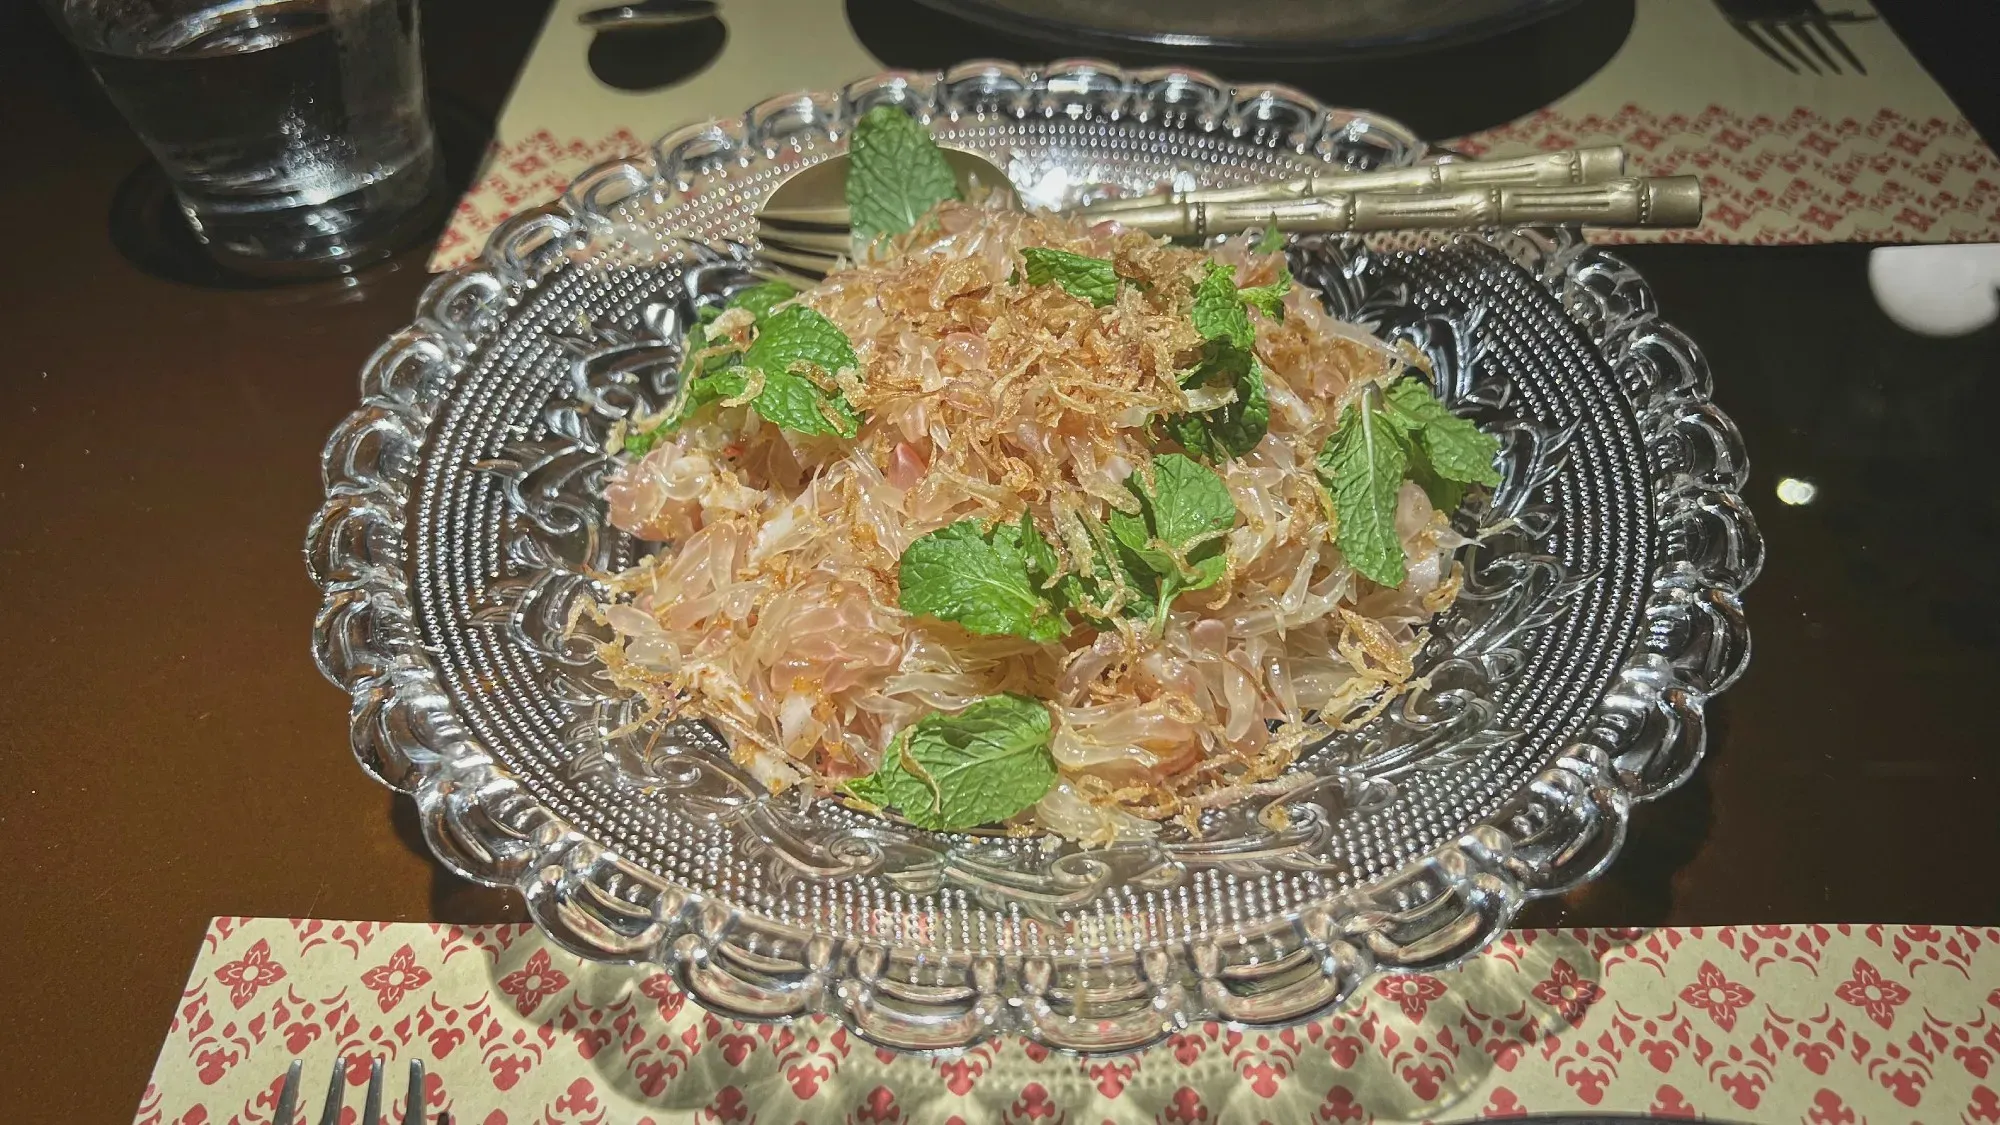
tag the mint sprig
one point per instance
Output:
(895, 175)
(1218, 312)
(1362, 465)
(980, 579)
(1114, 574)
(708, 384)
(948, 773)
(761, 298)
(1268, 299)
(791, 345)
(1385, 438)
(1093, 279)
(1234, 428)
(1221, 315)
(1179, 534)
(792, 341)
(1453, 447)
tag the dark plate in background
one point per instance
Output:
(1516, 72)
(1269, 29)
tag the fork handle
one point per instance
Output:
(1664, 201)
(1566, 167)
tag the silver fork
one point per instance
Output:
(1795, 33)
(371, 1105)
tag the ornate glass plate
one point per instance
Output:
(462, 530)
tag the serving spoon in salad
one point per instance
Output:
(806, 226)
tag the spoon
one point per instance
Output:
(805, 227)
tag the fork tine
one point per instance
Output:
(1784, 39)
(793, 278)
(807, 216)
(331, 1114)
(371, 1105)
(1827, 32)
(413, 1102)
(812, 242)
(288, 1095)
(816, 266)
(1749, 32)
(1802, 30)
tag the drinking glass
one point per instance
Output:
(294, 132)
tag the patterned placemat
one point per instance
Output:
(1827, 1025)
(1784, 157)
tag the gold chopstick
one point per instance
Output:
(1663, 201)
(1564, 168)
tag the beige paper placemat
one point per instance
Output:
(561, 120)
(1826, 1025)
(1783, 157)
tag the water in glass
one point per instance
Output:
(294, 131)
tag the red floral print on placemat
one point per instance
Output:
(533, 982)
(1735, 1023)
(391, 982)
(1715, 994)
(252, 972)
(1871, 992)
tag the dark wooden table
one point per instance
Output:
(168, 753)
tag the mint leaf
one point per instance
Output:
(760, 298)
(1233, 429)
(795, 403)
(787, 340)
(719, 383)
(1040, 557)
(892, 785)
(1186, 508)
(1455, 449)
(1093, 279)
(700, 387)
(796, 337)
(1269, 299)
(1135, 535)
(1220, 316)
(987, 762)
(871, 787)
(1387, 436)
(958, 573)
(1362, 464)
(1270, 242)
(895, 174)
(641, 443)
(1445, 495)
(1186, 502)
(953, 772)
(1110, 563)
(1218, 311)
(1239, 426)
